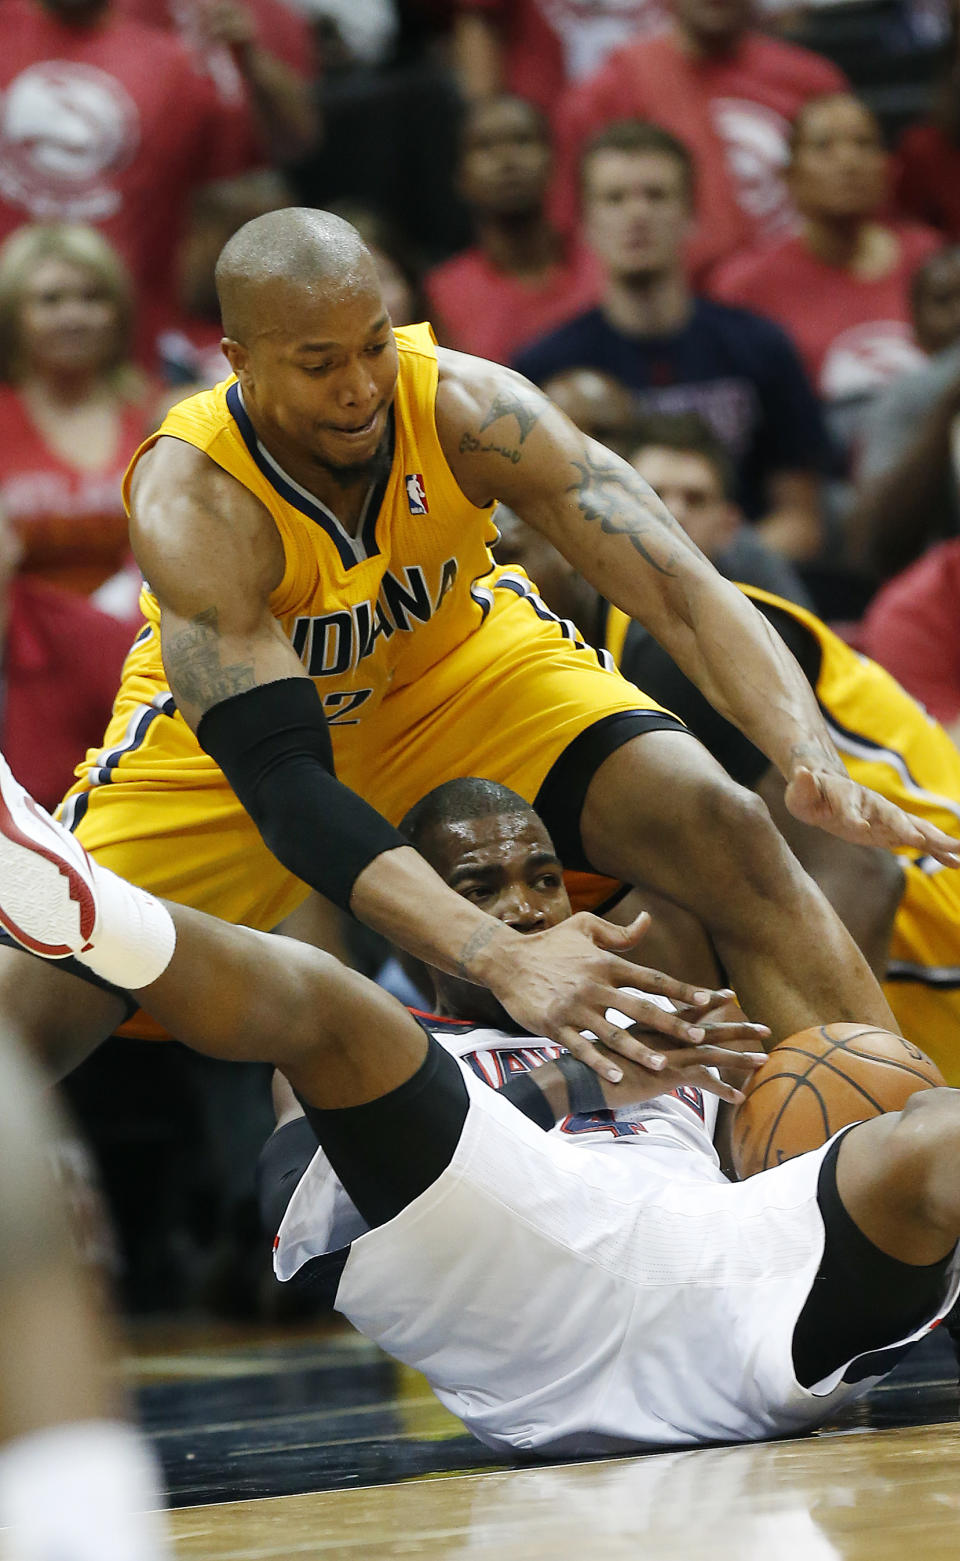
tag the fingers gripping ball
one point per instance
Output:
(818, 1081)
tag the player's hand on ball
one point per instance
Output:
(689, 1065)
(561, 983)
(841, 806)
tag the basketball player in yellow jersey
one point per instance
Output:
(904, 910)
(315, 539)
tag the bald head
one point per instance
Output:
(269, 261)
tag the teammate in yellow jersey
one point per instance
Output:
(903, 911)
(315, 536)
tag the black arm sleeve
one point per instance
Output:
(647, 664)
(272, 744)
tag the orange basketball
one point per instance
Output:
(814, 1083)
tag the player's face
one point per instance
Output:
(839, 165)
(636, 211)
(506, 865)
(505, 164)
(691, 489)
(319, 381)
(68, 321)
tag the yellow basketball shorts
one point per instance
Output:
(505, 704)
(923, 972)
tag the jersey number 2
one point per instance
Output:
(339, 707)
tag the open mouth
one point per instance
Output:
(360, 431)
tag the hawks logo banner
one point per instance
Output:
(416, 494)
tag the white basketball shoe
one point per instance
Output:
(48, 898)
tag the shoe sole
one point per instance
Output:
(40, 887)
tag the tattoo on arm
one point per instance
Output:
(619, 499)
(504, 404)
(195, 669)
(476, 942)
(510, 404)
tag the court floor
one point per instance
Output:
(309, 1442)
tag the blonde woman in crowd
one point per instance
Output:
(73, 407)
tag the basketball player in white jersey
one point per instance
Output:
(491, 847)
(553, 1304)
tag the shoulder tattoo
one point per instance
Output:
(507, 403)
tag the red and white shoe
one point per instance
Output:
(47, 897)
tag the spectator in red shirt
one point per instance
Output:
(913, 629)
(72, 409)
(729, 93)
(522, 278)
(105, 121)
(927, 165)
(535, 47)
(841, 285)
(259, 49)
(60, 661)
(187, 348)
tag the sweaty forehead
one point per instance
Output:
(493, 839)
(328, 306)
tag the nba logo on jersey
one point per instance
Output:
(416, 494)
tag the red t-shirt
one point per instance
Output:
(61, 670)
(548, 43)
(278, 29)
(913, 629)
(734, 114)
(73, 523)
(927, 179)
(854, 336)
(493, 314)
(112, 125)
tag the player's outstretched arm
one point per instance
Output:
(213, 558)
(504, 439)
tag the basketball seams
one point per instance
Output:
(799, 1081)
(801, 1113)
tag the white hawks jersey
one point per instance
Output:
(674, 1130)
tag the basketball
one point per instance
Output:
(818, 1081)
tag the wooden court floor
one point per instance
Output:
(311, 1443)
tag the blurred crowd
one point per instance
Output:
(722, 235)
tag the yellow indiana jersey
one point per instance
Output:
(888, 742)
(349, 604)
(430, 662)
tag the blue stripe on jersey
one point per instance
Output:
(73, 810)
(522, 588)
(101, 773)
(298, 498)
(945, 978)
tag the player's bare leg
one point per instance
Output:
(899, 1177)
(227, 991)
(661, 812)
(676, 943)
(248, 996)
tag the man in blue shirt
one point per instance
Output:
(682, 353)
